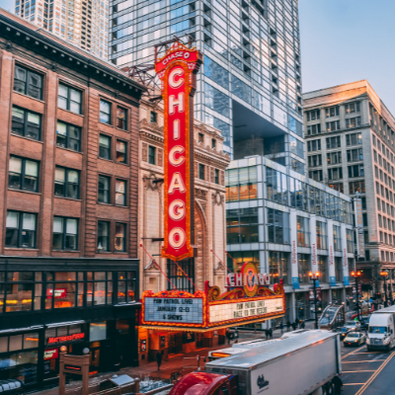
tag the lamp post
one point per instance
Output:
(315, 276)
(356, 275)
(384, 274)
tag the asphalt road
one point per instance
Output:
(368, 373)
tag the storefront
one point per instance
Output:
(84, 307)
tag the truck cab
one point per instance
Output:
(381, 330)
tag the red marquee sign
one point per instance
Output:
(177, 71)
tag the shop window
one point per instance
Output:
(121, 118)
(97, 288)
(23, 366)
(69, 99)
(104, 147)
(105, 111)
(26, 123)
(28, 82)
(65, 233)
(97, 331)
(23, 174)
(61, 290)
(68, 136)
(120, 152)
(120, 236)
(20, 230)
(67, 182)
(126, 287)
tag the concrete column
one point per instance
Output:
(346, 271)
(294, 247)
(332, 268)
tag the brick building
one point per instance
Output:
(210, 165)
(68, 205)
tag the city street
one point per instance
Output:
(368, 373)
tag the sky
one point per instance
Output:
(348, 40)
(343, 41)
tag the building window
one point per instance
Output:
(354, 139)
(127, 287)
(26, 123)
(334, 158)
(242, 226)
(337, 187)
(332, 126)
(201, 171)
(67, 182)
(213, 143)
(23, 174)
(104, 147)
(335, 173)
(303, 268)
(338, 269)
(153, 117)
(350, 241)
(315, 160)
(354, 155)
(68, 136)
(337, 240)
(353, 122)
(20, 230)
(175, 273)
(216, 176)
(278, 267)
(237, 259)
(28, 82)
(99, 292)
(332, 111)
(69, 99)
(357, 186)
(316, 175)
(278, 226)
(65, 233)
(104, 189)
(322, 238)
(120, 237)
(352, 107)
(103, 236)
(313, 115)
(241, 184)
(314, 145)
(313, 129)
(120, 192)
(151, 155)
(200, 137)
(122, 118)
(303, 232)
(356, 171)
(321, 263)
(333, 142)
(105, 111)
(120, 152)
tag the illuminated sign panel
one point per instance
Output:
(176, 71)
(65, 339)
(181, 310)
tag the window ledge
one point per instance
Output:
(20, 249)
(23, 191)
(69, 149)
(107, 124)
(27, 138)
(68, 198)
(75, 251)
(30, 97)
(122, 130)
(71, 112)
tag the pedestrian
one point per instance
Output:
(297, 322)
(288, 325)
(159, 356)
(338, 384)
(293, 325)
(282, 327)
(266, 333)
(271, 333)
(302, 324)
(228, 335)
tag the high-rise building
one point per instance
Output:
(250, 84)
(350, 137)
(81, 22)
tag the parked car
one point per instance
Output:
(354, 339)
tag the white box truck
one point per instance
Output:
(381, 334)
(300, 365)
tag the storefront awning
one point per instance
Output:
(29, 328)
(68, 323)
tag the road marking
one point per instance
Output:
(367, 360)
(352, 352)
(354, 383)
(382, 366)
(357, 371)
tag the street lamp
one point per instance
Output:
(315, 276)
(356, 275)
(384, 274)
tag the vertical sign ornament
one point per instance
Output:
(177, 71)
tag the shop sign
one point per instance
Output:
(143, 345)
(59, 293)
(53, 353)
(66, 339)
(318, 293)
(176, 71)
(72, 368)
(208, 310)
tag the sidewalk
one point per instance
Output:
(173, 363)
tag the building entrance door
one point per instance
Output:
(175, 343)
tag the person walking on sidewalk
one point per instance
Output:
(288, 325)
(282, 327)
(159, 356)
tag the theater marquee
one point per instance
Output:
(176, 71)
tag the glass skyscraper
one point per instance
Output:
(250, 83)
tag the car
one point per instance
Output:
(353, 325)
(365, 322)
(344, 331)
(354, 339)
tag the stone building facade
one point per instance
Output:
(210, 165)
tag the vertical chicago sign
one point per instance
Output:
(177, 71)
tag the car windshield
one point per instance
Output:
(353, 335)
(377, 329)
(344, 330)
(350, 323)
